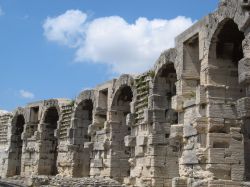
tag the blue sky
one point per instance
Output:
(56, 48)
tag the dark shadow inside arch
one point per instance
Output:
(229, 42)
(83, 119)
(122, 108)
(224, 55)
(49, 152)
(165, 87)
(17, 145)
(125, 96)
(83, 115)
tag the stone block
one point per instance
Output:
(95, 171)
(236, 134)
(177, 103)
(179, 182)
(218, 140)
(237, 172)
(98, 146)
(91, 129)
(186, 87)
(105, 172)
(243, 107)
(201, 95)
(156, 139)
(244, 69)
(130, 141)
(222, 111)
(157, 182)
(216, 125)
(115, 127)
(224, 183)
(215, 92)
(236, 152)
(189, 102)
(139, 151)
(189, 157)
(176, 131)
(96, 163)
(159, 116)
(88, 145)
(216, 155)
(200, 124)
(158, 101)
(159, 150)
(130, 119)
(148, 116)
(220, 171)
(169, 165)
(190, 115)
(141, 140)
(189, 130)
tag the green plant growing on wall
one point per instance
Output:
(139, 82)
(151, 73)
(72, 103)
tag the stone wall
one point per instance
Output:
(184, 122)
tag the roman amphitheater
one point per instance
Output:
(183, 123)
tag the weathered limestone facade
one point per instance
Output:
(186, 122)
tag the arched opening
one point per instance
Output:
(224, 55)
(50, 152)
(83, 115)
(83, 119)
(121, 107)
(165, 87)
(17, 144)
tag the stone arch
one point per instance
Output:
(164, 87)
(121, 109)
(85, 95)
(167, 57)
(123, 81)
(163, 90)
(16, 142)
(52, 103)
(225, 52)
(82, 118)
(235, 11)
(122, 97)
(49, 139)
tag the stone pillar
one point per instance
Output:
(244, 74)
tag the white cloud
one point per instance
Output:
(26, 94)
(67, 29)
(125, 47)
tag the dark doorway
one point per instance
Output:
(17, 144)
(51, 140)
